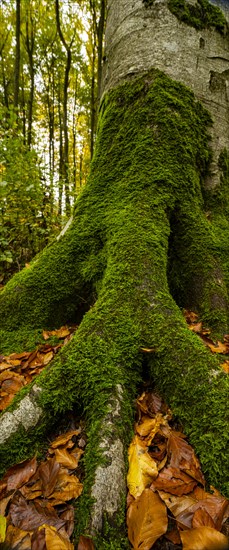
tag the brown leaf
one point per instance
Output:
(149, 403)
(68, 516)
(85, 543)
(48, 472)
(32, 491)
(17, 538)
(182, 456)
(29, 516)
(203, 538)
(19, 474)
(68, 460)
(38, 539)
(202, 517)
(67, 487)
(146, 520)
(174, 481)
(64, 438)
(4, 504)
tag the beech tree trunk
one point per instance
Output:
(149, 237)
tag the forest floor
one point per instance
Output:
(169, 505)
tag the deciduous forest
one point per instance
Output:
(114, 274)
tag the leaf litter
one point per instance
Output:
(165, 480)
(167, 500)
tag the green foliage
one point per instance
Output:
(25, 226)
(201, 15)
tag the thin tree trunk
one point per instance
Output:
(17, 55)
(65, 110)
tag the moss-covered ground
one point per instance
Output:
(140, 248)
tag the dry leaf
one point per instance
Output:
(48, 472)
(55, 541)
(202, 517)
(67, 487)
(68, 515)
(203, 538)
(142, 468)
(28, 515)
(174, 481)
(225, 366)
(64, 438)
(20, 474)
(85, 543)
(146, 520)
(17, 538)
(149, 403)
(182, 456)
(68, 460)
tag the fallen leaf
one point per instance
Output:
(197, 327)
(20, 474)
(85, 543)
(48, 472)
(174, 481)
(142, 468)
(68, 516)
(17, 538)
(203, 538)
(55, 541)
(182, 456)
(64, 438)
(68, 460)
(48, 357)
(219, 347)
(29, 516)
(225, 366)
(146, 520)
(67, 487)
(2, 528)
(149, 403)
(202, 517)
(38, 539)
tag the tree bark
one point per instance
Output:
(145, 241)
(17, 54)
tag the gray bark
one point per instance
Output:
(138, 38)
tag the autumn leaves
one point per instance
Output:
(166, 486)
(35, 513)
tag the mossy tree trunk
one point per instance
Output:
(139, 248)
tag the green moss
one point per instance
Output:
(202, 15)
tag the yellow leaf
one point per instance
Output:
(203, 538)
(146, 520)
(142, 468)
(2, 528)
(55, 541)
(225, 367)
